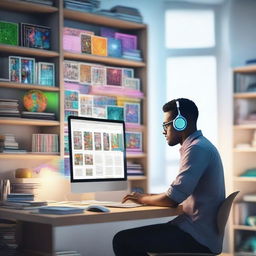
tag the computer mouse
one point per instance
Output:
(97, 208)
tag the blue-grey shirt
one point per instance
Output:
(200, 188)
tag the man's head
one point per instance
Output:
(188, 110)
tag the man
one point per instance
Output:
(199, 186)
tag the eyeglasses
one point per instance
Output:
(165, 125)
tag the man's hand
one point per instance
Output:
(149, 199)
(135, 197)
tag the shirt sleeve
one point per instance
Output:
(194, 162)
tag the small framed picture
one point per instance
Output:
(71, 71)
(35, 36)
(98, 75)
(133, 141)
(132, 113)
(27, 70)
(99, 45)
(128, 72)
(86, 104)
(114, 76)
(132, 83)
(14, 69)
(115, 113)
(86, 43)
(85, 73)
(71, 100)
(46, 73)
(99, 112)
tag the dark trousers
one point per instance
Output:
(155, 238)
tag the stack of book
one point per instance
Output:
(127, 13)
(38, 115)
(45, 143)
(8, 242)
(8, 144)
(82, 5)
(132, 54)
(134, 169)
(20, 197)
(45, 2)
(25, 185)
(123, 13)
(9, 107)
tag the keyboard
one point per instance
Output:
(104, 203)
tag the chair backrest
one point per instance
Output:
(223, 212)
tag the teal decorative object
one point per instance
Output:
(249, 173)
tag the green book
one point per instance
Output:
(9, 33)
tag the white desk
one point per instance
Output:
(38, 234)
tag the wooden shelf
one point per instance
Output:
(246, 69)
(130, 155)
(102, 20)
(244, 150)
(27, 51)
(134, 178)
(243, 227)
(139, 128)
(102, 59)
(245, 95)
(26, 121)
(245, 179)
(21, 6)
(244, 126)
(29, 156)
(28, 86)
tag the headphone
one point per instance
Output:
(179, 122)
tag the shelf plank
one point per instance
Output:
(139, 128)
(29, 156)
(245, 179)
(102, 59)
(27, 51)
(244, 126)
(130, 155)
(244, 150)
(28, 86)
(102, 20)
(21, 6)
(245, 95)
(134, 178)
(26, 121)
(243, 227)
(246, 69)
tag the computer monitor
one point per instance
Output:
(97, 154)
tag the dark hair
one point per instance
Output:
(188, 108)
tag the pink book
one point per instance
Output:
(71, 39)
(120, 91)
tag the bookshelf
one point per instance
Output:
(244, 127)
(56, 17)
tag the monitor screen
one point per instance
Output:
(97, 154)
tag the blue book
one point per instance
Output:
(114, 48)
(60, 210)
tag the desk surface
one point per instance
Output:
(115, 214)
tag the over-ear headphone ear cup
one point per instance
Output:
(180, 123)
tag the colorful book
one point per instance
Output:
(9, 33)
(129, 42)
(72, 38)
(35, 36)
(86, 43)
(99, 46)
(46, 73)
(114, 47)
(114, 76)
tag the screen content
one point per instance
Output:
(97, 150)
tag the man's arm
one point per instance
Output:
(151, 199)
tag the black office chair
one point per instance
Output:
(222, 218)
